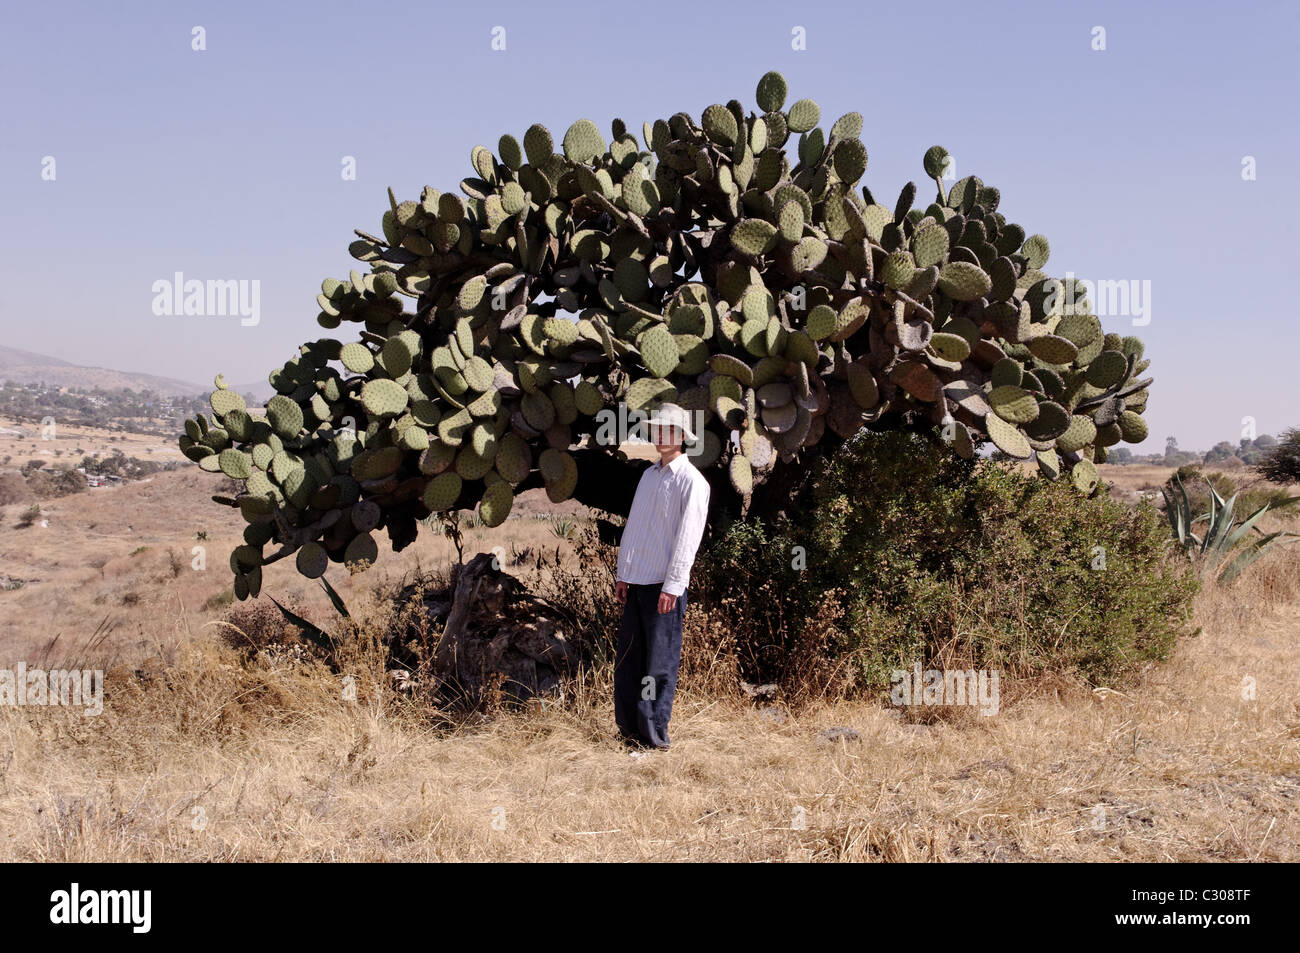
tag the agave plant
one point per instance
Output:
(1223, 535)
(563, 527)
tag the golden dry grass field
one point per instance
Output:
(199, 758)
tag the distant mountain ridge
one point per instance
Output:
(28, 367)
(261, 391)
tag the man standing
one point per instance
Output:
(655, 555)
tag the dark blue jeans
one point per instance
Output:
(645, 665)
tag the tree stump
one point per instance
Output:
(497, 635)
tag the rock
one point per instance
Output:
(983, 767)
(768, 691)
(836, 732)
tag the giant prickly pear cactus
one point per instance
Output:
(769, 291)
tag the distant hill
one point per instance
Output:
(26, 367)
(262, 391)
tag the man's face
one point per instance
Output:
(665, 438)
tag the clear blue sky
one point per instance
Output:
(226, 163)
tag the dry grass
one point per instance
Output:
(72, 442)
(271, 764)
(125, 557)
(199, 758)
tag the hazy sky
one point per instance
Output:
(226, 163)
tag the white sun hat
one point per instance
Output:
(672, 415)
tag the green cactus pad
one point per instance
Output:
(384, 398)
(720, 125)
(1007, 371)
(1051, 422)
(235, 464)
(1132, 427)
(453, 428)
(1107, 369)
(471, 465)
(803, 115)
(930, 246)
(963, 281)
(648, 390)
(583, 142)
(1079, 329)
(935, 161)
(1007, 437)
(560, 472)
(850, 160)
(863, 386)
(822, 321)
(898, 270)
(361, 553)
(1049, 463)
(442, 492)
(753, 236)
(950, 347)
(1081, 432)
(1036, 251)
(496, 503)
(1013, 404)
(225, 401)
(733, 367)
(357, 358)
(658, 351)
(376, 464)
(771, 92)
(513, 458)
(312, 560)
(284, 415)
(791, 221)
(1084, 476)
(587, 398)
(1051, 349)
(741, 474)
(538, 410)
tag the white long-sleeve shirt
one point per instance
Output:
(665, 526)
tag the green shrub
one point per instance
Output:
(928, 557)
(1252, 497)
(1194, 477)
(1281, 463)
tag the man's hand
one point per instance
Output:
(666, 602)
(620, 590)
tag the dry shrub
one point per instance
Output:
(13, 489)
(254, 626)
